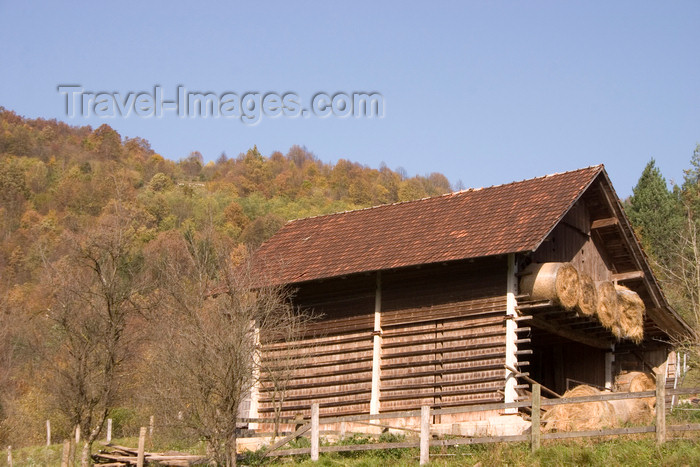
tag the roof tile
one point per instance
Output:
(468, 224)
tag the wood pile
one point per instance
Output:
(118, 456)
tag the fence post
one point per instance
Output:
(660, 408)
(9, 456)
(535, 418)
(66, 453)
(142, 447)
(343, 429)
(424, 434)
(314, 431)
(48, 432)
(109, 430)
(151, 425)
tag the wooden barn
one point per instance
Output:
(421, 301)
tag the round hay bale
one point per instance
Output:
(634, 410)
(607, 308)
(552, 281)
(588, 297)
(624, 379)
(580, 417)
(631, 312)
(642, 410)
(642, 382)
(623, 409)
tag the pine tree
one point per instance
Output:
(655, 213)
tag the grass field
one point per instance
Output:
(620, 452)
(586, 453)
(632, 450)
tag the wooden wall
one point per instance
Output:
(571, 241)
(443, 335)
(443, 340)
(333, 363)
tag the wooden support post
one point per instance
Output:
(424, 434)
(609, 359)
(151, 425)
(48, 432)
(511, 394)
(661, 407)
(535, 418)
(9, 456)
(343, 429)
(77, 434)
(255, 388)
(109, 430)
(314, 431)
(142, 447)
(65, 457)
(376, 348)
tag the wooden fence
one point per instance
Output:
(424, 440)
(535, 404)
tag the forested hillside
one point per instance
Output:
(87, 218)
(111, 256)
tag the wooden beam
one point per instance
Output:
(627, 276)
(535, 417)
(532, 381)
(300, 431)
(607, 222)
(571, 335)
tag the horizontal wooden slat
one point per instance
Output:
(320, 384)
(320, 395)
(428, 395)
(444, 361)
(443, 371)
(442, 339)
(444, 325)
(296, 408)
(485, 345)
(465, 382)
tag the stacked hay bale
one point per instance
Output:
(588, 298)
(631, 312)
(607, 310)
(580, 417)
(618, 308)
(558, 282)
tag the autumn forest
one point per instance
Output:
(109, 252)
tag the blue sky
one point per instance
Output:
(484, 92)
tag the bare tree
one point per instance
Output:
(97, 290)
(207, 356)
(682, 273)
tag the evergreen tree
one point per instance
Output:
(655, 213)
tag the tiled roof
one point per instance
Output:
(468, 224)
